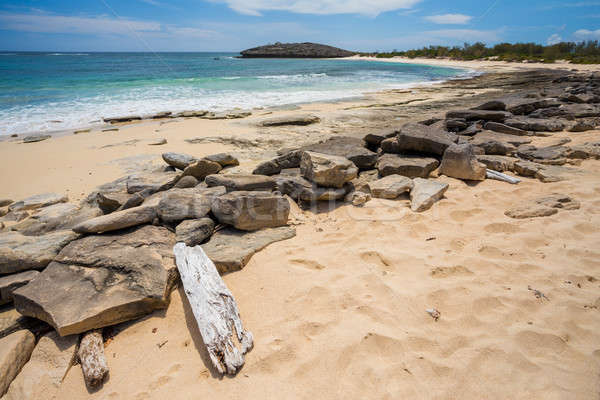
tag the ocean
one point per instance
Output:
(45, 92)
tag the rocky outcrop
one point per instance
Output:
(390, 187)
(102, 280)
(478, 115)
(461, 162)
(497, 163)
(535, 124)
(297, 119)
(295, 50)
(327, 170)
(38, 201)
(59, 216)
(233, 183)
(411, 166)
(425, 193)
(231, 249)
(251, 210)
(15, 350)
(151, 182)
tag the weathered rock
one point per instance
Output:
(177, 205)
(300, 119)
(35, 138)
(12, 321)
(461, 162)
(231, 249)
(411, 166)
(5, 202)
(585, 151)
(358, 198)
(391, 146)
(233, 114)
(497, 163)
(276, 165)
(267, 168)
(425, 193)
(152, 182)
(493, 105)
(223, 159)
(3, 211)
(544, 173)
(373, 140)
(251, 210)
(15, 216)
(191, 113)
(348, 147)
(109, 202)
(102, 280)
(498, 143)
(361, 183)
(545, 155)
(201, 169)
(557, 200)
(15, 350)
(186, 182)
(527, 106)
(424, 139)
(59, 216)
(22, 253)
(327, 170)
(456, 124)
(582, 126)
(498, 127)
(42, 375)
(178, 160)
(292, 186)
(479, 115)
(241, 182)
(123, 118)
(118, 220)
(536, 124)
(10, 283)
(157, 142)
(472, 130)
(318, 193)
(38, 201)
(194, 231)
(543, 207)
(390, 187)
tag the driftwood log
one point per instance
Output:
(92, 359)
(215, 309)
(491, 174)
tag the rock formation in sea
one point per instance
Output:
(296, 50)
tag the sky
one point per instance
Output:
(234, 25)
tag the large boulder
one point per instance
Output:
(251, 210)
(140, 215)
(177, 205)
(102, 280)
(425, 193)
(178, 160)
(298, 119)
(22, 253)
(201, 169)
(234, 183)
(478, 115)
(44, 372)
(348, 147)
(10, 283)
(391, 145)
(38, 201)
(59, 216)
(461, 162)
(390, 187)
(194, 231)
(231, 249)
(327, 170)
(424, 139)
(15, 350)
(412, 166)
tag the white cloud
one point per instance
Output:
(454, 19)
(587, 34)
(370, 8)
(554, 39)
(467, 35)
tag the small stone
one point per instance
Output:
(186, 182)
(300, 119)
(157, 142)
(390, 187)
(35, 138)
(358, 198)
(194, 231)
(118, 220)
(425, 193)
(15, 350)
(223, 159)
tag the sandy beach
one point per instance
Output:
(339, 311)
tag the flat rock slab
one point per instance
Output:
(102, 280)
(476, 115)
(390, 187)
(22, 253)
(15, 350)
(49, 363)
(424, 139)
(411, 166)
(543, 206)
(300, 119)
(544, 173)
(536, 124)
(10, 283)
(118, 220)
(251, 210)
(234, 183)
(348, 147)
(38, 201)
(12, 321)
(152, 182)
(498, 163)
(299, 188)
(425, 193)
(59, 216)
(498, 127)
(231, 249)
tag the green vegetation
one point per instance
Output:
(578, 53)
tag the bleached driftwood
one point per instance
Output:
(491, 174)
(214, 308)
(92, 359)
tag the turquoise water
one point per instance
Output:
(58, 91)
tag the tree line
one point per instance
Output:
(586, 52)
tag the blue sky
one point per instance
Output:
(233, 25)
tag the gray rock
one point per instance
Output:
(38, 201)
(425, 193)
(318, 193)
(582, 126)
(251, 210)
(22, 253)
(299, 119)
(201, 169)
(186, 182)
(424, 139)
(42, 375)
(35, 138)
(241, 182)
(275, 166)
(544, 173)
(461, 162)
(223, 159)
(498, 127)
(15, 216)
(102, 280)
(231, 249)
(549, 155)
(9, 283)
(527, 106)
(373, 140)
(361, 183)
(157, 142)
(293, 186)
(390, 187)
(118, 220)
(109, 202)
(178, 160)
(497, 163)
(585, 151)
(411, 166)
(267, 168)
(536, 124)
(194, 231)
(177, 205)
(327, 170)
(12, 321)
(493, 105)
(391, 146)
(350, 148)
(5, 202)
(497, 143)
(15, 350)
(189, 114)
(123, 118)
(56, 217)
(152, 182)
(477, 115)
